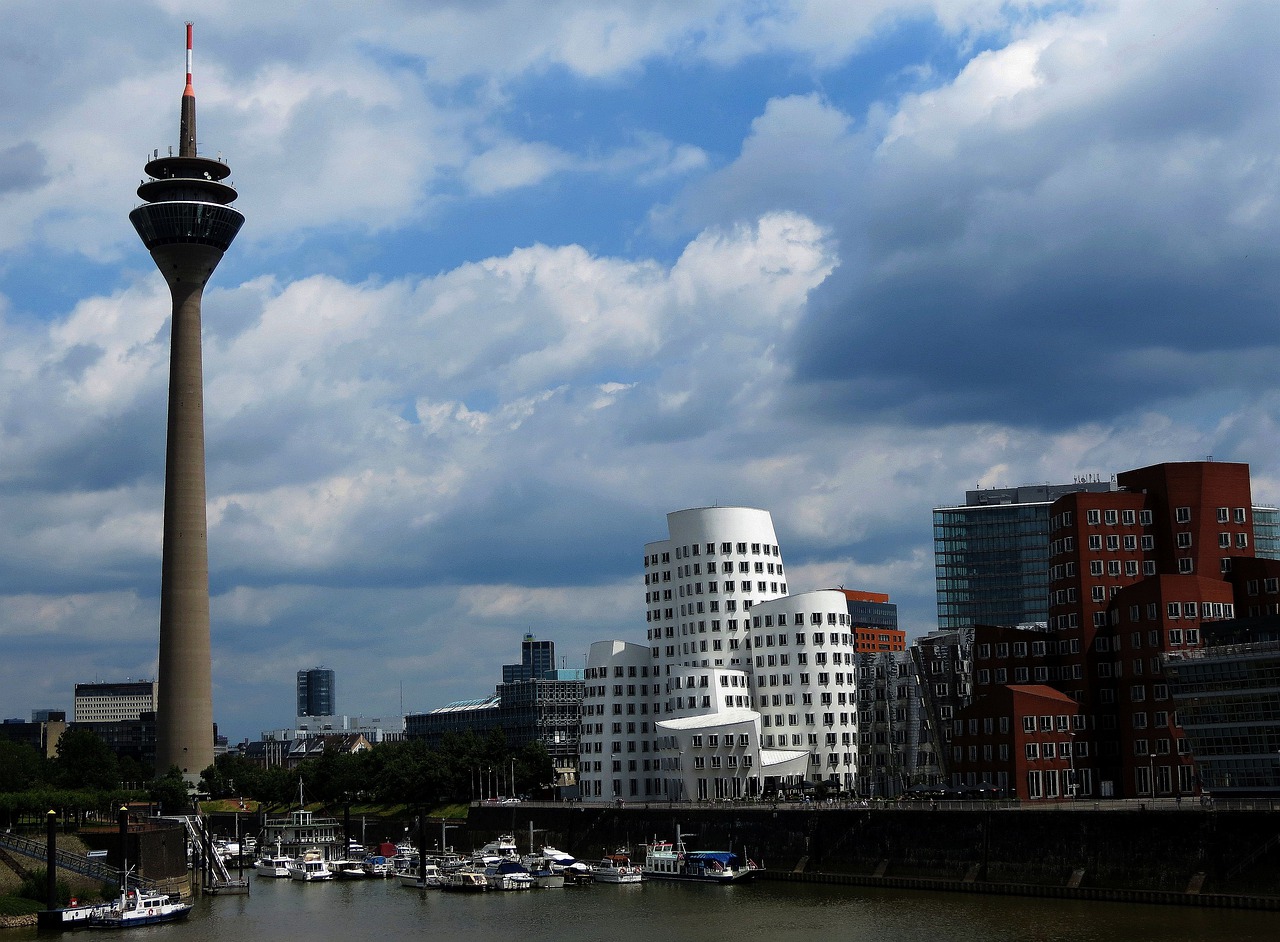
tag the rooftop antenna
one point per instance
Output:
(187, 130)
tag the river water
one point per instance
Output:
(280, 910)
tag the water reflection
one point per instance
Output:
(282, 910)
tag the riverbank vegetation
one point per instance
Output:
(87, 780)
(406, 774)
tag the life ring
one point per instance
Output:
(151, 912)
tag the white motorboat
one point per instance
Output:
(543, 873)
(617, 868)
(310, 868)
(272, 865)
(429, 877)
(466, 880)
(510, 875)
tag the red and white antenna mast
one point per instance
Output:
(187, 130)
(189, 90)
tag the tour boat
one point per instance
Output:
(138, 908)
(617, 868)
(667, 860)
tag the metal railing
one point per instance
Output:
(65, 860)
(1188, 803)
(221, 875)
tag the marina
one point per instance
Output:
(781, 912)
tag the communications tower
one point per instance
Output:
(187, 223)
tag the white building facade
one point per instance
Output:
(113, 702)
(742, 689)
(806, 681)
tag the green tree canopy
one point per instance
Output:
(21, 766)
(86, 762)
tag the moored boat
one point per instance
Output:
(509, 875)
(348, 869)
(272, 865)
(310, 867)
(617, 868)
(671, 860)
(545, 875)
(466, 880)
(428, 877)
(138, 908)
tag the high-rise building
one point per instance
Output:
(187, 224)
(536, 658)
(991, 555)
(317, 692)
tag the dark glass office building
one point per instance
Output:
(317, 692)
(991, 555)
(1228, 700)
(536, 658)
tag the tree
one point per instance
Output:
(21, 766)
(170, 792)
(86, 762)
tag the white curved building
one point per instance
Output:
(701, 582)
(741, 689)
(805, 676)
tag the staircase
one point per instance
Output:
(1244, 862)
(221, 876)
(65, 860)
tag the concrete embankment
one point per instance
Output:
(1194, 857)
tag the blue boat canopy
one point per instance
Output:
(720, 856)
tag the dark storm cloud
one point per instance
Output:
(1043, 259)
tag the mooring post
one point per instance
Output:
(51, 860)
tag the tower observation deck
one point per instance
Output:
(187, 223)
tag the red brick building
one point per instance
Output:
(1134, 573)
(1022, 741)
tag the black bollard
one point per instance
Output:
(51, 860)
(123, 820)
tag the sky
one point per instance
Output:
(518, 279)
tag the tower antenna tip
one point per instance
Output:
(189, 90)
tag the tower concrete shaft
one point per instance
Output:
(187, 225)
